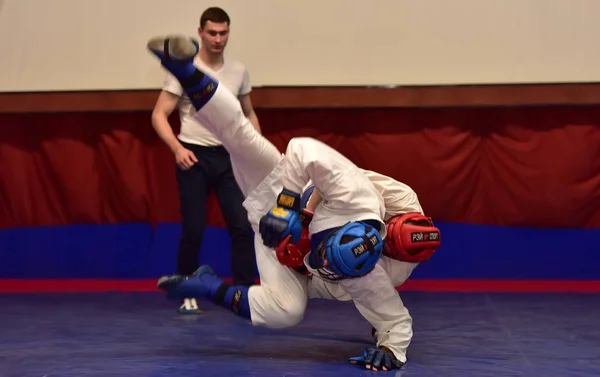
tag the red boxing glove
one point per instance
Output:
(411, 237)
(290, 254)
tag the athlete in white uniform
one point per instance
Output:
(401, 207)
(347, 230)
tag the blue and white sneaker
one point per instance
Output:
(189, 306)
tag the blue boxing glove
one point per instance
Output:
(377, 358)
(282, 221)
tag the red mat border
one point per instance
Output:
(98, 286)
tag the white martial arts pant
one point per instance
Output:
(281, 298)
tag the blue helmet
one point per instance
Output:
(350, 251)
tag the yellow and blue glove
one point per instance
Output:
(282, 221)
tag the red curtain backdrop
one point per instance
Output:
(530, 166)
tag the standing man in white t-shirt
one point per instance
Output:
(203, 164)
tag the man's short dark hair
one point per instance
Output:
(214, 14)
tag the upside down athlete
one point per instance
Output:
(340, 244)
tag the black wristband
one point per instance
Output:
(289, 199)
(220, 293)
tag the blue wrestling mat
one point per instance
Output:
(141, 334)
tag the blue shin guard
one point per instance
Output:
(204, 284)
(176, 55)
(234, 298)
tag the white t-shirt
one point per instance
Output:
(233, 75)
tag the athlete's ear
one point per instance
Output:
(325, 263)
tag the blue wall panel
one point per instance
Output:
(136, 251)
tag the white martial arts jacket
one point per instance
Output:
(374, 295)
(348, 194)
